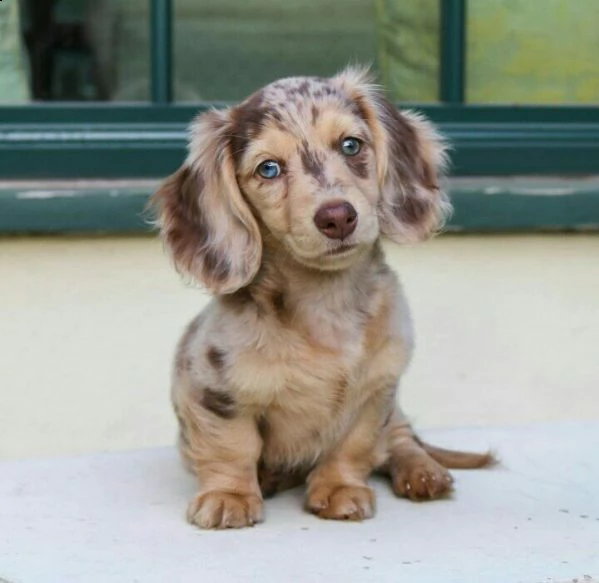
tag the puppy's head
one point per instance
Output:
(318, 167)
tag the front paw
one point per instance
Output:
(341, 502)
(219, 509)
(421, 478)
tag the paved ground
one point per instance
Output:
(118, 517)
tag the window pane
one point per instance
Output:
(533, 51)
(14, 82)
(409, 48)
(73, 50)
(226, 49)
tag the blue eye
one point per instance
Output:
(350, 146)
(269, 169)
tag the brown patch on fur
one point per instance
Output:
(177, 200)
(276, 115)
(359, 109)
(340, 394)
(216, 264)
(216, 357)
(311, 163)
(267, 293)
(358, 165)
(412, 169)
(303, 89)
(263, 427)
(403, 141)
(238, 300)
(315, 113)
(247, 121)
(185, 229)
(278, 302)
(218, 402)
(410, 210)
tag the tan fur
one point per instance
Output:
(291, 373)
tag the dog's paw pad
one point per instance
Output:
(341, 502)
(217, 509)
(422, 480)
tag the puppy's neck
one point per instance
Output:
(288, 288)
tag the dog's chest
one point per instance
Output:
(308, 381)
(300, 366)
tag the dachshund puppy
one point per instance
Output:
(289, 376)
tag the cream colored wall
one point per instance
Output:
(508, 332)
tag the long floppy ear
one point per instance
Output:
(411, 158)
(205, 222)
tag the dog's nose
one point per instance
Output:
(336, 220)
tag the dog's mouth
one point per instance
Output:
(341, 249)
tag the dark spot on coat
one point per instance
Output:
(358, 165)
(239, 299)
(216, 357)
(247, 121)
(315, 113)
(303, 89)
(405, 150)
(216, 265)
(412, 210)
(186, 231)
(263, 427)
(409, 167)
(312, 163)
(360, 109)
(220, 403)
(278, 302)
(340, 393)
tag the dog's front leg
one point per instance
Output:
(337, 487)
(223, 453)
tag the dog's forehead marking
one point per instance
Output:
(312, 163)
(297, 89)
(291, 105)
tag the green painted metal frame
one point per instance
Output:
(100, 141)
(452, 51)
(481, 205)
(161, 51)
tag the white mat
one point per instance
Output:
(119, 518)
